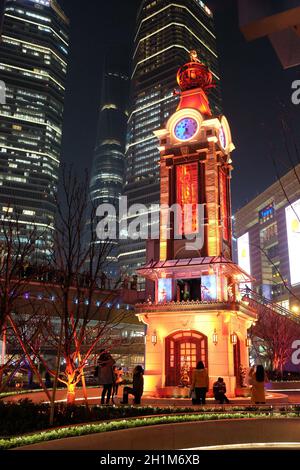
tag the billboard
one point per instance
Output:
(244, 252)
(209, 288)
(164, 290)
(292, 214)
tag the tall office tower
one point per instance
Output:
(107, 177)
(33, 65)
(166, 32)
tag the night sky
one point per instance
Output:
(256, 90)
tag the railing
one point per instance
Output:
(257, 300)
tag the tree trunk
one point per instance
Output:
(71, 394)
(3, 352)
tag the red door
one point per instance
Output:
(183, 350)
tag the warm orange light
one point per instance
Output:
(233, 338)
(215, 337)
(248, 342)
(154, 338)
(187, 196)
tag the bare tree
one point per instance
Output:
(272, 339)
(17, 250)
(85, 312)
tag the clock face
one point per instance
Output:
(222, 138)
(186, 128)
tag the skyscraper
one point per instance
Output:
(166, 32)
(33, 65)
(107, 177)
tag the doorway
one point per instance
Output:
(184, 349)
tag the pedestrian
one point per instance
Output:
(137, 388)
(200, 384)
(219, 390)
(106, 375)
(118, 373)
(48, 382)
(257, 379)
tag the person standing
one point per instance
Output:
(257, 379)
(200, 384)
(118, 373)
(106, 375)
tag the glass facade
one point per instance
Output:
(166, 32)
(33, 66)
(107, 178)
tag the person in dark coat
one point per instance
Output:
(137, 389)
(219, 389)
(106, 375)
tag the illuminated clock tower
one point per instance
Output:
(196, 313)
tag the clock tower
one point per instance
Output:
(197, 313)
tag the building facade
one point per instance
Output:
(195, 313)
(107, 178)
(33, 65)
(268, 240)
(166, 31)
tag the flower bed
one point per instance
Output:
(75, 431)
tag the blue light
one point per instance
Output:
(186, 128)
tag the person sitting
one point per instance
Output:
(137, 389)
(219, 390)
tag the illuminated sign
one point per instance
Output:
(292, 214)
(208, 288)
(224, 207)
(187, 196)
(165, 290)
(266, 213)
(244, 252)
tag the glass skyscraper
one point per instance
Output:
(107, 178)
(33, 64)
(166, 32)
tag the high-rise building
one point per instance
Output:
(268, 240)
(33, 65)
(166, 32)
(107, 177)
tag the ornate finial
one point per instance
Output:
(194, 56)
